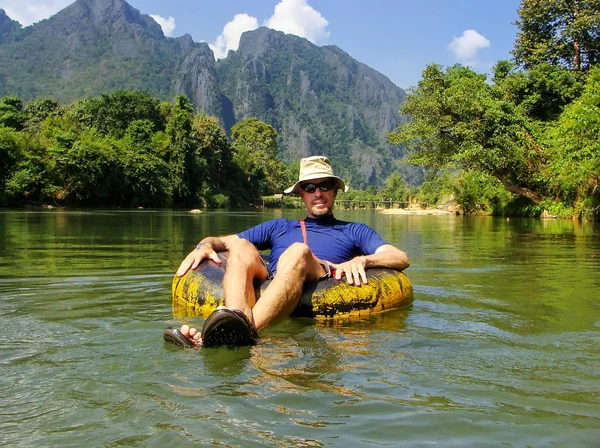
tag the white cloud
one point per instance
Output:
(27, 12)
(167, 25)
(465, 47)
(232, 31)
(297, 17)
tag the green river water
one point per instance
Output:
(500, 348)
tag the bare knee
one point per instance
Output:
(243, 254)
(297, 255)
(241, 245)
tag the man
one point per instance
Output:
(301, 251)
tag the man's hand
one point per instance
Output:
(354, 270)
(195, 257)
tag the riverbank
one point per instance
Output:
(418, 211)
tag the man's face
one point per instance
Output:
(318, 202)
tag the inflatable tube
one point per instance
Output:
(200, 291)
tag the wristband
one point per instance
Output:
(202, 244)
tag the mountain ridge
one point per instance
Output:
(319, 99)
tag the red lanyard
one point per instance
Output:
(303, 227)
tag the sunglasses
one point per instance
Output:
(323, 186)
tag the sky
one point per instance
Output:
(398, 38)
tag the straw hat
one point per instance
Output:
(315, 167)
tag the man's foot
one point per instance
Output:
(228, 327)
(185, 337)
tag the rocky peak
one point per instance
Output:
(257, 42)
(101, 15)
(319, 99)
(8, 27)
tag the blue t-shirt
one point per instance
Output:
(328, 238)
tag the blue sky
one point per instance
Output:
(399, 38)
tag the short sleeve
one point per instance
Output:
(367, 240)
(261, 235)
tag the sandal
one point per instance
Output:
(174, 336)
(228, 327)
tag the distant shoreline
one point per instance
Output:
(420, 212)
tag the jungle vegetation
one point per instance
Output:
(527, 139)
(518, 142)
(128, 149)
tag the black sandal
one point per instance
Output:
(174, 336)
(228, 327)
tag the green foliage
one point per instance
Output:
(524, 142)
(528, 141)
(87, 165)
(222, 178)
(559, 32)
(219, 201)
(436, 188)
(9, 155)
(533, 134)
(11, 113)
(368, 198)
(477, 192)
(540, 93)
(396, 188)
(575, 166)
(459, 121)
(123, 149)
(187, 165)
(37, 111)
(33, 177)
(556, 208)
(146, 179)
(255, 146)
(113, 113)
(467, 192)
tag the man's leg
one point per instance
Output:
(243, 266)
(296, 266)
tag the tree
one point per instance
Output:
(185, 163)
(575, 167)
(559, 32)
(145, 178)
(112, 113)
(541, 92)
(33, 177)
(11, 112)
(436, 187)
(86, 168)
(9, 155)
(395, 188)
(38, 110)
(255, 146)
(219, 173)
(459, 121)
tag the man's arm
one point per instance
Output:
(386, 256)
(207, 248)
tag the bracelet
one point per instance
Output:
(202, 244)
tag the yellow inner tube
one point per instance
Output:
(200, 291)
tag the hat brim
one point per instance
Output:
(294, 188)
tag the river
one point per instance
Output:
(500, 348)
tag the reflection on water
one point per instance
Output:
(501, 346)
